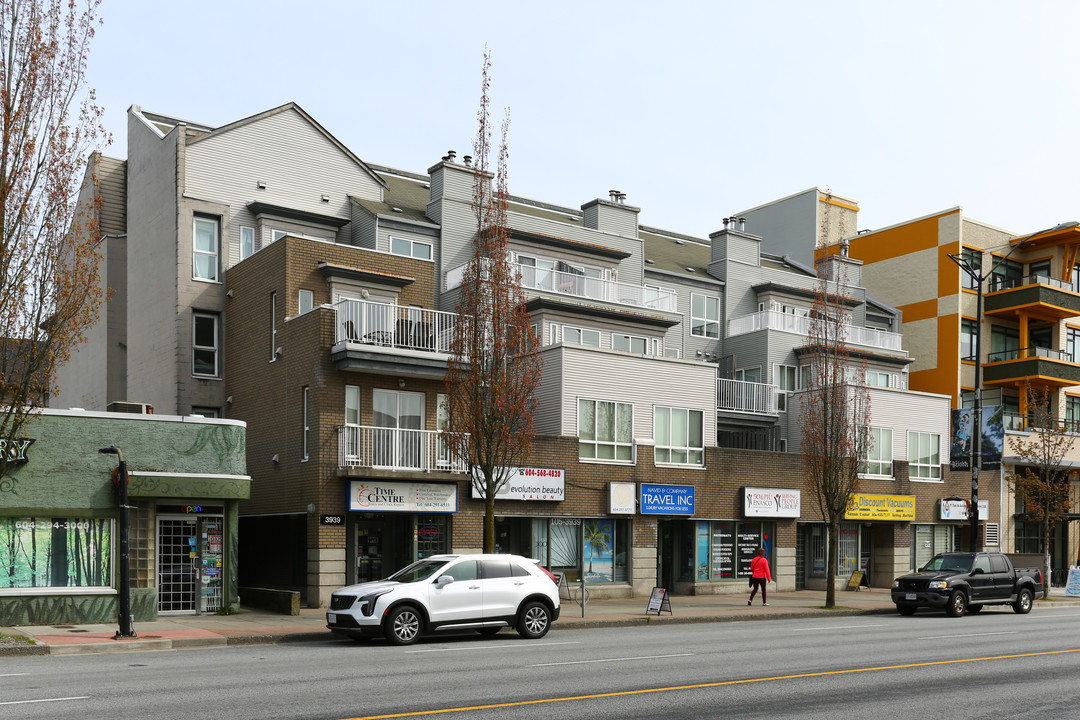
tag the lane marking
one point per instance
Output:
(839, 627)
(11, 674)
(586, 662)
(487, 647)
(698, 686)
(25, 702)
(945, 637)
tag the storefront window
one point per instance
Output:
(929, 540)
(55, 552)
(724, 549)
(594, 548)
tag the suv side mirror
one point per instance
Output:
(444, 580)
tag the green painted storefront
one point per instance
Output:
(59, 517)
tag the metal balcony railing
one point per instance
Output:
(800, 325)
(372, 323)
(395, 449)
(747, 397)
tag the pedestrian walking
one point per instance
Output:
(759, 575)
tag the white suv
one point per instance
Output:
(449, 592)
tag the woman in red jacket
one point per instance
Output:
(759, 575)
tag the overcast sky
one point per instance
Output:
(695, 110)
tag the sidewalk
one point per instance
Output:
(251, 626)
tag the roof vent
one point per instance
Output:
(680, 242)
(397, 209)
(690, 269)
(648, 261)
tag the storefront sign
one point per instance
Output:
(958, 509)
(621, 498)
(530, 484)
(15, 450)
(766, 502)
(862, 506)
(667, 499)
(376, 496)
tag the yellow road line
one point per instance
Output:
(707, 685)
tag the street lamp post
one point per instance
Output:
(976, 431)
(126, 630)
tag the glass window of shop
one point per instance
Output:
(55, 552)
(597, 549)
(723, 549)
(929, 540)
(847, 551)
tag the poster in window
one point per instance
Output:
(723, 551)
(598, 538)
(749, 540)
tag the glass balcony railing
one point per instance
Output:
(800, 325)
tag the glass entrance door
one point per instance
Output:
(190, 555)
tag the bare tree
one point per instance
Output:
(1041, 483)
(49, 123)
(494, 367)
(835, 406)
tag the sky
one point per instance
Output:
(695, 110)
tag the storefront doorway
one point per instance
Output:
(387, 543)
(190, 555)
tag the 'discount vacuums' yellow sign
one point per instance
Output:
(880, 507)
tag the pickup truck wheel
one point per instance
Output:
(905, 609)
(1022, 606)
(973, 609)
(957, 604)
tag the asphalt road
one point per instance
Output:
(995, 664)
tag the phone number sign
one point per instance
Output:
(526, 483)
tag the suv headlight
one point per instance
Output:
(938, 584)
(367, 602)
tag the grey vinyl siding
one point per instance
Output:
(153, 265)
(631, 269)
(112, 184)
(548, 416)
(303, 166)
(900, 411)
(365, 227)
(642, 381)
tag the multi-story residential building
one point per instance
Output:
(1029, 329)
(275, 277)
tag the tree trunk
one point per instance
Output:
(830, 564)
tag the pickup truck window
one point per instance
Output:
(950, 563)
(997, 564)
(982, 563)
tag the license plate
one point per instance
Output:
(909, 596)
(331, 618)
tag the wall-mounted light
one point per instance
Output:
(274, 459)
(229, 400)
(326, 198)
(228, 293)
(401, 382)
(277, 352)
(261, 184)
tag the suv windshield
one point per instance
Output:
(420, 570)
(950, 563)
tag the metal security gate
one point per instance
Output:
(189, 563)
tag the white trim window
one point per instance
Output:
(580, 336)
(205, 259)
(307, 422)
(751, 374)
(273, 327)
(878, 378)
(630, 343)
(305, 301)
(410, 248)
(878, 460)
(704, 316)
(352, 404)
(679, 436)
(924, 455)
(247, 242)
(784, 377)
(605, 430)
(205, 339)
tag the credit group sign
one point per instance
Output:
(666, 499)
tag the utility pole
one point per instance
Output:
(126, 630)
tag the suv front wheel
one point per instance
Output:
(534, 620)
(403, 625)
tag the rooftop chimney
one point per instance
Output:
(468, 160)
(451, 155)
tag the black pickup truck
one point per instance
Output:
(966, 582)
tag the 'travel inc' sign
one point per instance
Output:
(666, 499)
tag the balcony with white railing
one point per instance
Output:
(395, 449)
(560, 282)
(747, 397)
(394, 326)
(800, 325)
